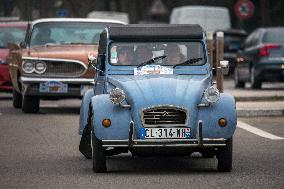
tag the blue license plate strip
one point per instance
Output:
(53, 87)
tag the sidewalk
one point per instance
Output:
(268, 101)
(260, 108)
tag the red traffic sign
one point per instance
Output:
(244, 9)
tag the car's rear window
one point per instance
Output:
(274, 36)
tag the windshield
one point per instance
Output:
(11, 35)
(159, 53)
(67, 33)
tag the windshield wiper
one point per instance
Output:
(188, 62)
(151, 61)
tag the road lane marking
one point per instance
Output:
(50, 106)
(257, 131)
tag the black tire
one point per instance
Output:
(17, 99)
(225, 157)
(85, 143)
(98, 155)
(255, 82)
(30, 104)
(238, 83)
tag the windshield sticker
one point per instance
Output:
(152, 69)
(113, 57)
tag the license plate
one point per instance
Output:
(53, 87)
(164, 133)
(84, 89)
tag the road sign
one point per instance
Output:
(62, 13)
(244, 9)
(158, 8)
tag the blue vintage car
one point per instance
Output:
(153, 94)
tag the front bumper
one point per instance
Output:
(199, 141)
(31, 86)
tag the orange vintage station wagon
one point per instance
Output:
(52, 62)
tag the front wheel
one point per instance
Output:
(238, 83)
(98, 155)
(225, 157)
(30, 104)
(85, 143)
(17, 99)
(255, 82)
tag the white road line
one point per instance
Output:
(257, 131)
(50, 106)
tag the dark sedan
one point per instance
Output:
(262, 58)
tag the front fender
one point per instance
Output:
(120, 119)
(84, 109)
(225, 107)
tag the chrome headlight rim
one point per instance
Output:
(212, 94)
(117, 96)
(40, 71)
(31, 64)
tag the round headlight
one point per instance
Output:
(28, 67)
(211, 94)
(40, 67)
(116, 96)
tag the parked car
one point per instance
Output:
(233, 41)
(154, 94)
(262, 58)
(52, 61)
(10, 32)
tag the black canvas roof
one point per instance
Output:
(150, 31)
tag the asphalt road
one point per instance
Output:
(41, 151)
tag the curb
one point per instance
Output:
(258, 98)
(258, 112)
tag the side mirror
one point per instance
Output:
(93, 62)
(23, 45)
(91, 57)
(224, 66)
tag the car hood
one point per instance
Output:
(146, 91)
(74, 52)
(4, 53)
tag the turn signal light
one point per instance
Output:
(222, 122)
(106, 123)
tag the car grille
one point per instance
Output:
(164, 116)
(62, 68)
